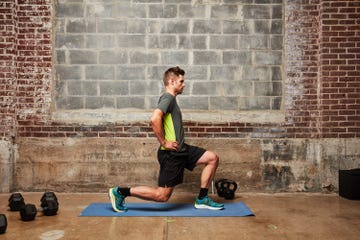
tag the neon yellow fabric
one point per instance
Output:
(169, 129)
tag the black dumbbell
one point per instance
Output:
(3, 223)
(16, 201)
(28, 212)
(48, 195)
(49, 204)
(49, 207)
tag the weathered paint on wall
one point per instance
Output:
(6, 165)
(93, 164)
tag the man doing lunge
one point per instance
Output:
(174, 155)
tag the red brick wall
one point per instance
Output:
(26, 65)
(7, 68)
(340, 69)
(302, 69)
(321, 76)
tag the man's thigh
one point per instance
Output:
(207, 157)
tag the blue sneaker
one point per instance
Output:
(208, 203)
(117, 200)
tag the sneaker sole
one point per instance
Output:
(203, 206)
(113, 202)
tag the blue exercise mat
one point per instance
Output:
(238, 209)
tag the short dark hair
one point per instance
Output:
(177, 71)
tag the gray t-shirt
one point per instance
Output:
(172, 121)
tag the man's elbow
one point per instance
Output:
(155, 118)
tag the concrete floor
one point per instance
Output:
(277, 216)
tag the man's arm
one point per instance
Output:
(156, 123)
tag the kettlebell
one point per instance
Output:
(226, 188)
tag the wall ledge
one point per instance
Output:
(135, 115)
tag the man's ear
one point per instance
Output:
(172, 79)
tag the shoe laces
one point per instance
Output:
(210, 200)
(120, 200)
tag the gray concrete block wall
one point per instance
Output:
(112, 54)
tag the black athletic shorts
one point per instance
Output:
(172, 164)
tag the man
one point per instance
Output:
(174, 155)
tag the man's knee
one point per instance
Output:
(163, 195)
(163, 198)
(209, 158)
(214, 158)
